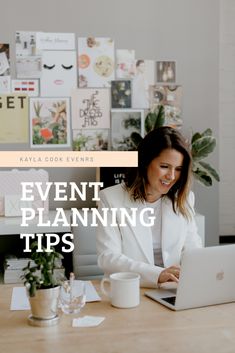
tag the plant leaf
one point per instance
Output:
(155, 119)
(202, 147)
(44, 264)
(160, 118)
(195, 137)
(202, 177)
(210, 170)
(149, 121)
(136, 138)
(207, 132)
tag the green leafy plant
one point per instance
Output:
(39, 273)
(202, 144)
(79, 143)
(153, 120)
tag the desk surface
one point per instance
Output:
(148, 328)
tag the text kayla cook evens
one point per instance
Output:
(114, 217)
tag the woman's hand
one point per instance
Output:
(169, 274)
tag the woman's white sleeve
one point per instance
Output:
(110, 256)
(193, 239)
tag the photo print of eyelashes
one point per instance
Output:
(92, 78)
(59, 73)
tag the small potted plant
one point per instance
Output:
(42, 282)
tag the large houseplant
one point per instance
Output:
(43, 284)
(202, 144)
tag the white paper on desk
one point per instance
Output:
(91, 294)
(87, 321)
(19, 299)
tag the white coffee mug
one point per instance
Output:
(124, 289)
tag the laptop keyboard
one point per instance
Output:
(170, 300)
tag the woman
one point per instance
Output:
(161, 182)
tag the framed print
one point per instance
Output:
(4, 59)
(121, 94)
(14, 119)
(49, 122)
(91, 108)
(170, 96)
(166, 71)
(91, 140)
(59, 73)
(30, 87)
(144, 77)
(95, 62)
(123, 123)
(125, 63)
(28, 58)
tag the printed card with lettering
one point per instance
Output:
(91, 108)
(55, 41)
(14, 118)
(110, 176)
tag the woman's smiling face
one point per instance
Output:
(163, 172)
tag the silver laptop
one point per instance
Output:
(207, 277)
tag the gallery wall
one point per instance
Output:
(185, 31)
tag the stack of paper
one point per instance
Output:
(14, 269)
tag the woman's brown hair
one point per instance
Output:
(149, 148)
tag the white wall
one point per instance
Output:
(183, 30)
(227, 117)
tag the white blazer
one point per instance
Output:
(130, 248)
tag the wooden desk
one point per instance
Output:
(147, 328)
